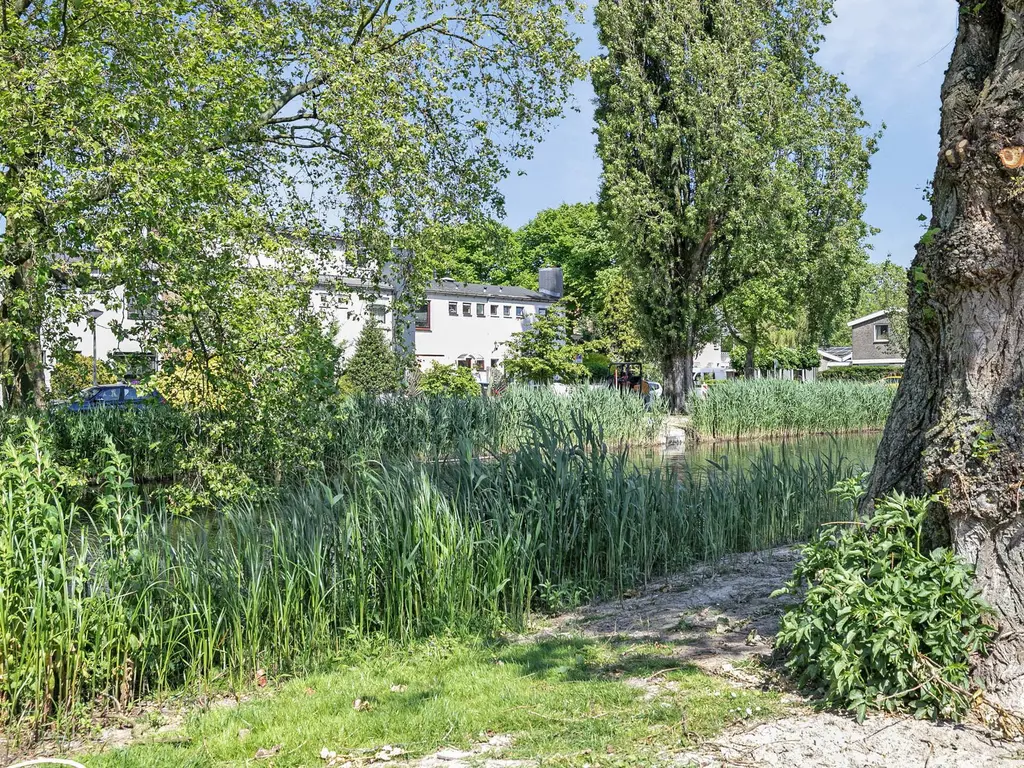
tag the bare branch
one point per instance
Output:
(289, 95)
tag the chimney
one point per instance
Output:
(550, 280)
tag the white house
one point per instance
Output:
(468, 324)
(458, 323)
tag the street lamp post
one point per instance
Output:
(94, 315)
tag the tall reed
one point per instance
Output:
(123, 601)
(772, 408)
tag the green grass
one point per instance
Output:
(768, 408)
(565, 700)
(121, 602)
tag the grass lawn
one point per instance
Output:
(565, 701)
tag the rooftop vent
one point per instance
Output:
(550, 281)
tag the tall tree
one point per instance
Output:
(573, 237)
(956, 424)
(150, 141)
(719, 135)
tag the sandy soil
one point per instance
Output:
(721, 617)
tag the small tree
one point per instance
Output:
(373, 369)
(543, 351)
(448, 380)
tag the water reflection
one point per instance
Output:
(855, 448)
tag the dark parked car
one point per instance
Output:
(111, 396)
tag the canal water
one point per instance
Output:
(858, 448)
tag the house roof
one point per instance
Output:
(448, 287)
(836, 354)
(867, 318)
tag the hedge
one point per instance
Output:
(860, 373)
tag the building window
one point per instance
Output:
(422, 315)
(881, 333)
(494, 362)
(378, 312)
(541, 311)
(519, 313)
(453, 308)
(467, 309)
(506, 311)
(479, 310)
(494, 310)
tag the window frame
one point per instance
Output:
(888, 332)
(506, 311)
(467, 309)
(494, 310)
(520, 312)
(453, 309)
(417, 312)
(481, 309)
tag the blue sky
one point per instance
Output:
(893, 54)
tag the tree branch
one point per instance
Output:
(289, 95)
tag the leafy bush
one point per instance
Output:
(448, 380)
(882, 624)
(599, 366)
(73, 374)
(868, 373)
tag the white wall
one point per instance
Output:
(348, 308)
(711, 359)
(451, 337)
(106, 340)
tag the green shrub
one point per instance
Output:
(448, 380)
(866, 373)
(373, 369)
(73, 374)
(599, 366)
(881, 623)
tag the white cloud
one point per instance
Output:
(889, 50)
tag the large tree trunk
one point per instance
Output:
(748, 363)
(21, 317)
(958, 421)
(678, 371)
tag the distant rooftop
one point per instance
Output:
(837, 354)
(449, 287)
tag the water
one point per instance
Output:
(856, 448)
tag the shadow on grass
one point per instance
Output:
(586, 660)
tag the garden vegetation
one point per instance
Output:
(106, 596)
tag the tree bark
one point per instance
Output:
(678, 371)
(957, 425)
(748, 363)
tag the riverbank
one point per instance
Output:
(676, 674)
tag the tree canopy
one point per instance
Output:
(726, 164)
(161, 146)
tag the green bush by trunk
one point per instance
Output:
(867, 373)
(883, 624)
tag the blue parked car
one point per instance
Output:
(111, 396)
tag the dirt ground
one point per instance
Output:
(723, 618)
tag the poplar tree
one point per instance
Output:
(728, 155)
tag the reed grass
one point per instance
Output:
(116, 601)
(769, 408)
